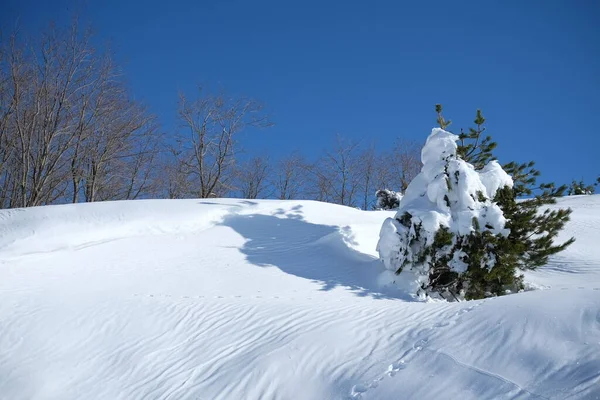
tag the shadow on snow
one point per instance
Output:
(319, 253)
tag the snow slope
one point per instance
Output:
(234, 299)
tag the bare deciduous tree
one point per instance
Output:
(116, 161)
(406, 161)
(206, 152)
(67, 129)
(335, 176)
(368, 168)
(252, 178)
(396, 169)
(69, 132)
(290, 177)
(43, 84)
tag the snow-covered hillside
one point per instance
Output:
(233, 299)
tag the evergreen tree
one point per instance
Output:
(387, 199)
(449, 237)
(579, 188)
(533, 226)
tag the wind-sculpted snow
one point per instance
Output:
(234, 299)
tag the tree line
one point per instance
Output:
(71, 132)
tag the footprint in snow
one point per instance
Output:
(420, 344)
(395, 367)
(375, 383)
(467, 309)
(358, 390)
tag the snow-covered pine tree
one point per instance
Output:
(448, 236)
(387, 199)
(533, 227)
(579, 188)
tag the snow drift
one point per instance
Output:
(233, 299)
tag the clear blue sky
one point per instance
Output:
(368, 69)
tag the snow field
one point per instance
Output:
(234, 299)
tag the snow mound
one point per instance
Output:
(36, 230)
(235, 299)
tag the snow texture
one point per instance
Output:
(234, 299)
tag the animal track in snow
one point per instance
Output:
(394, 368)
(439, 324)
(444, 323)
(231, 297)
